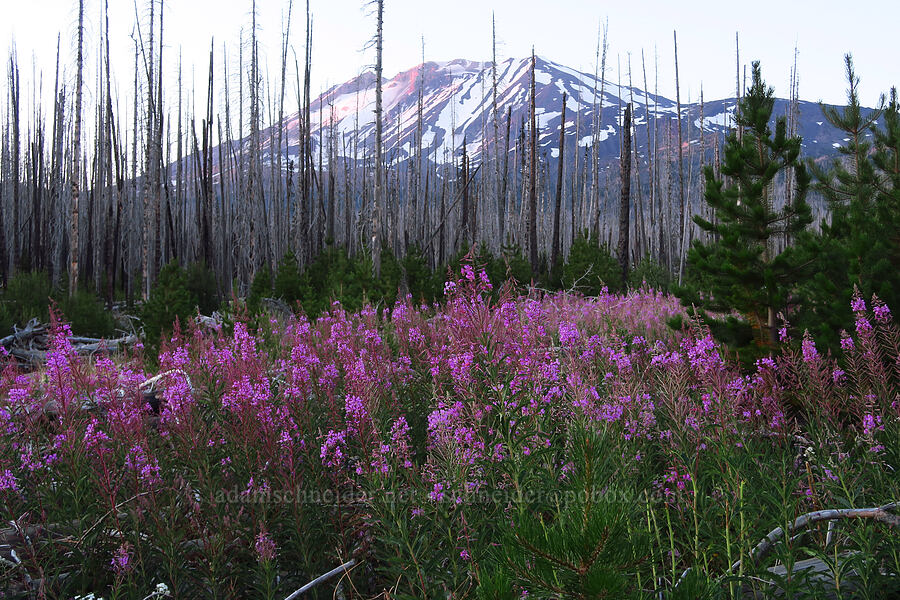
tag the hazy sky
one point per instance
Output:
(563, 30)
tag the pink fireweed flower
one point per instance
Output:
(244, 342)
(464, 555)
(379, 464)
(332, 453)
(178, 401)
(610, 412)
(31, 462)
(461, 368)
(497, 454)
(871, 423)
(666, 359)
(146, 467)
(400, 442)
(356, 413)
(808, 347)
(765, 363)
(449, 287)
(468, 272)
(846, 342)
(704, 354)
(691, 422)
(863, 326)
(94, 437)
(437, 492)
(284, 439)
(882, 312)
(858, 304)
(60, 378)
(568, 333)
(121, 560)
(264, 546)
(8, 481)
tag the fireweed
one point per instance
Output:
(417, 438)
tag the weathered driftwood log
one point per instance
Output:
(29, 345)
(32, 329)
(336, 571)
(213, 321)
(879, 514)
(814, 566)
(278, 306)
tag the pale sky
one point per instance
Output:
(565, 31)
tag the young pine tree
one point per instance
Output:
(887, 160)
(859, 246)
(579, 540)
(740, 269)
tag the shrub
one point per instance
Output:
(386, 286)
(651, 273)
(29, 294)
(260, 288)
(335, 276)
(27, 297)
(177, 294)
(421, 283)
(590, 267)
(87, 314)
(288, 283)
(201, 283)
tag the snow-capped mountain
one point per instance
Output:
(458, 106)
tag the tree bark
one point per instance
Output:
(532, 178)
(555, 252)
(76, 156)
(379, 192)
(625, 200)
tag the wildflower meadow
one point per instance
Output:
(494, 445)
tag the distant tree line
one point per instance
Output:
(159, 182)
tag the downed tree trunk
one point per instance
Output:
(32, 329)
(813, 566)
(879, 514)
(29, 345)
(336, 571)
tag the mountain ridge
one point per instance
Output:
(458, 107)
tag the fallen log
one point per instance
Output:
(32, 329)
(879, 514)
(336, 571)
(29, 346)
(278, 306)
(99, 345)
(214, 321)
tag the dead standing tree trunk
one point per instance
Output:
(379, 191)
(16, 157)
(160, 171)
(148, 172)
(554, 255)
(76, 155)
(680, 166)
(532, 179)
(505, 178)
(625, 201)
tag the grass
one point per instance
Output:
(491, 446)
